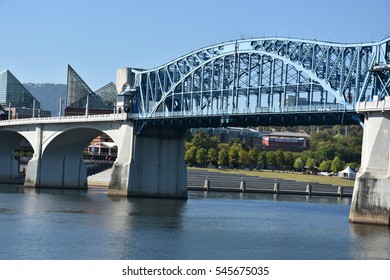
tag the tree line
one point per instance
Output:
(328, 153)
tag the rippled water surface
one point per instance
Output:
(63, 225)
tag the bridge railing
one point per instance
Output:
(246, 111)
(66, 119)
(375, 105)
(189, 114)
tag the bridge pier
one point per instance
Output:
(150, 164)
(371, 195)
(9, 168)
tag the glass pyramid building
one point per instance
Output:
(79, 92)
(12, 91)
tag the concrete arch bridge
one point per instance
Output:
(58, 143)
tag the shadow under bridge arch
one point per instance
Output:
(14, 148)
(62, 162)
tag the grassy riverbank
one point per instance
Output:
(299, 177)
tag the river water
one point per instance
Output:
(37, 224)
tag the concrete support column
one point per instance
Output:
(34, 165)
(151, 165)
(371, 195)
(120, 171)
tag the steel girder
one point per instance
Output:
(252, 75)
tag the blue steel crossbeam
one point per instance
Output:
(265, 76)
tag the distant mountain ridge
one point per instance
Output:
(49, 95)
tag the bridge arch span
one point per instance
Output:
(59, 162)
(291, 80)
(62, 162)
(308, 72)
(78, 131)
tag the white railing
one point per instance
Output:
(194, 114)
(375, 105)
(65, 119)
(245, 111)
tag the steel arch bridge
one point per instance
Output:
(274, 80)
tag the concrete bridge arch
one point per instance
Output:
(57, 159)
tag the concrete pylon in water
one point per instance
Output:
(150, 164)
(371, 195)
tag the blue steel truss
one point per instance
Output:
(259, 76)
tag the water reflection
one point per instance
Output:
(11, 188)
(370, 242)
(46, 224)
(141, 227)
(272, 197)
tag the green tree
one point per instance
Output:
(305, 155)
(280, 160)
(316, 138)
(242, 157)
(325, 151)
(252, 157)
(225, 146)
(213, 142)
(271, 159)
(201, 156)
(212, 156)
(233, 155)
(325, 166)
(201, 140)
(310, 163)
(298, 164)
(262, 160)
(289, 160)
(352, 165)
(190, 154)
(223, 157)
(336, 165)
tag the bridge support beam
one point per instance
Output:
(150, 164)
(371, 196)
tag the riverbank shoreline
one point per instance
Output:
(210, 180)
(199, 179)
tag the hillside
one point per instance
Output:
(48, 95)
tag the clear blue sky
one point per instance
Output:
(38, 38)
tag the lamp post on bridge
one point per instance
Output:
(87, 106)
(9, 111)
(33, 111)
(60, 107)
